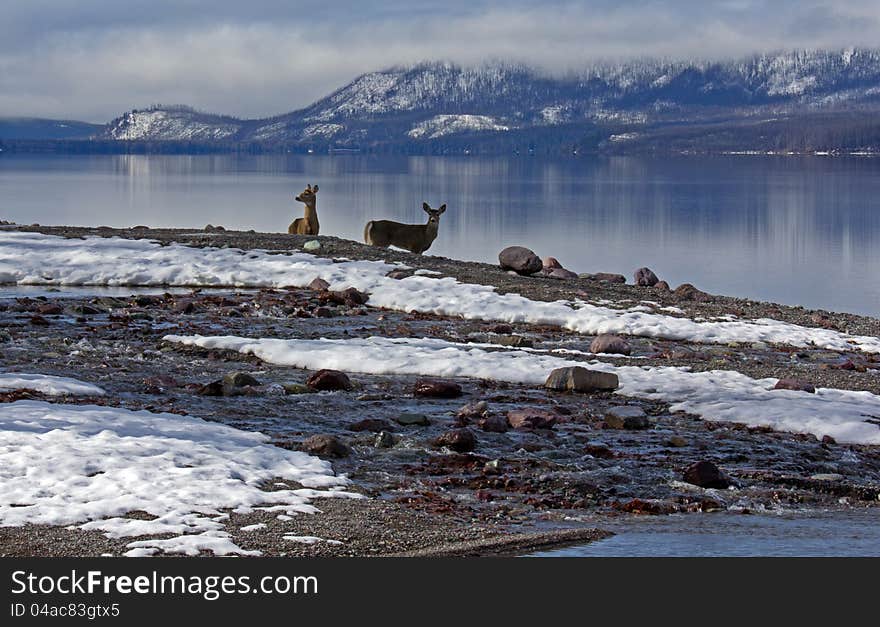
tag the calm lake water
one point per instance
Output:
(796, 230)
(854, 533)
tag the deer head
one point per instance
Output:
(433, 214)
(308, 195)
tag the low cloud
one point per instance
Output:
(93, 61)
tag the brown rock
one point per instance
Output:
(494, 424)
(608, 277)
(50, 309)
(459, 440)
(502, 329)
(329, 380)
(214, 388)
(519, 259)
(550, 263)
(472, 411)
(39, 321)
(686, 291)
(437, 388)
(531, 418)
(662, 285)
(706, 475)
(325, 446)
(184, 306)
(610, 344)
(794, 384)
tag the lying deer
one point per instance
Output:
(309, 224)
(416, 238)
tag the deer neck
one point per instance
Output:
(431, 231)
(311, 214)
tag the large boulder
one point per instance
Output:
(645, 277)
(610, 344)
(579, 379)
(520, 259)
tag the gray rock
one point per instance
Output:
(312, 245)
(520, 259)
(319, 285)
(645, 277)
(513, 340)
(409, 419)
(384, 440)
(578, 379)
(296, 388)
(626, 417)
(239, 380)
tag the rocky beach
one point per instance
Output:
(457, 408)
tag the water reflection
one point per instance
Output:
(798, 230)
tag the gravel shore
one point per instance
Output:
(516, 490)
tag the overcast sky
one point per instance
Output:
(94, 59)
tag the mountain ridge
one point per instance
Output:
(441, 106)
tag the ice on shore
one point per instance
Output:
(718, 395)
(47, 384)
(36, 259)
(89, 466)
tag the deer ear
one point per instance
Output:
(426, 206)
(442, 208)
(315, 189)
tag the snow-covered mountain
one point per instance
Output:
(433, 102)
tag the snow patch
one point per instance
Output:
(36, 259)
(90, 466)
(47, 384)
(718, 395)
(441, 125)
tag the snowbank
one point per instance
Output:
(47, 384)
(719, 395)
(36, 259)
(90, 466)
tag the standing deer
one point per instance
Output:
(416, 238)
(309, 224)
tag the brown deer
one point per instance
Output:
(416, 238)
(309, 224)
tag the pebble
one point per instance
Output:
(312, 245)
